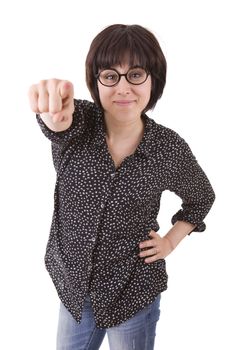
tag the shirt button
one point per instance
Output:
(102, 205)
(89, 267)
(93, 239)
(112, 175)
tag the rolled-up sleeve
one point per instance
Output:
(188, 180)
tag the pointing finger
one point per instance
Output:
(65, 89)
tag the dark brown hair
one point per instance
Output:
(119, 43)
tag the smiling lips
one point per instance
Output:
(123, 102)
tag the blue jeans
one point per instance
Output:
(137, 333)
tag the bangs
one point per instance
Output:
(120, 50)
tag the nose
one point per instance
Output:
(123, 86)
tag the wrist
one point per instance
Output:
(170, 243)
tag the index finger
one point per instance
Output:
(65, 89)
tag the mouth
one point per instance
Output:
(124, 102)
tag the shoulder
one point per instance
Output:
(87, 107)
(165, 136)
(86, 113)
(166, 143)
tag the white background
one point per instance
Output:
(46, 39)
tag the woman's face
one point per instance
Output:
(125, 101)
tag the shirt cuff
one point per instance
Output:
(181, 216)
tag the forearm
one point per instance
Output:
(179, 230)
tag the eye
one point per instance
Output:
(108, 76)
(136, 74)
(111, 76)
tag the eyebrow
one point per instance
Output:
(130, 67)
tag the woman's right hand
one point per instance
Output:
(53, 99)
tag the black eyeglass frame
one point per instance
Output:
(122, 75)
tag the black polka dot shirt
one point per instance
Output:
(102, 213)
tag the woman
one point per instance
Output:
(113, 162)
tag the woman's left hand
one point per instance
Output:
(156, 248)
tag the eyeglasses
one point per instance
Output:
(111, 77)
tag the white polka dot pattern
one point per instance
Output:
(102, 213)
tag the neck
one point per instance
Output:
(118, 130)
